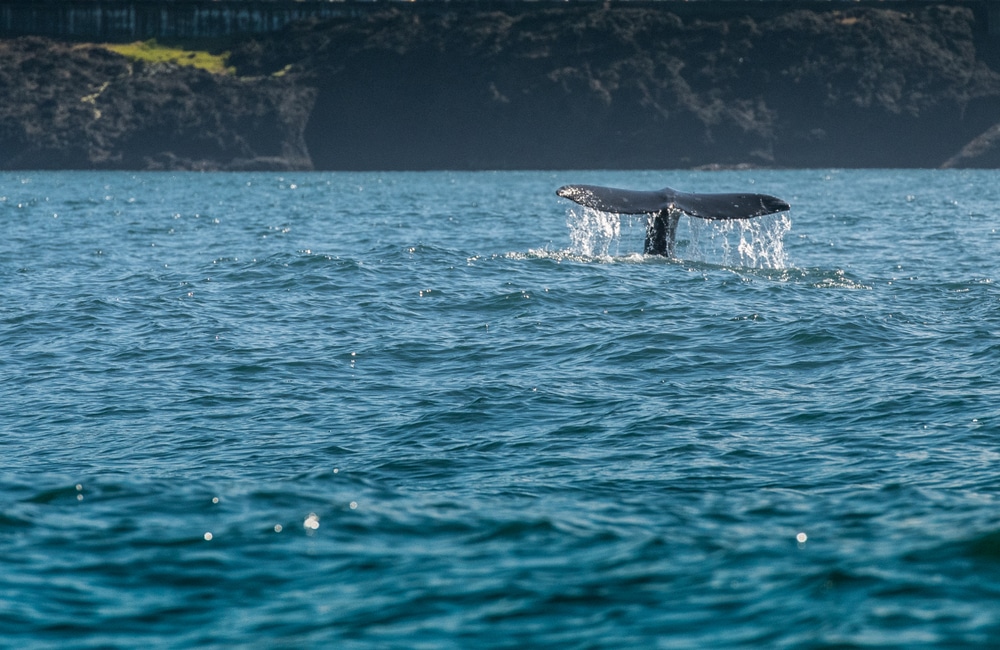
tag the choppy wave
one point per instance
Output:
(337, 410)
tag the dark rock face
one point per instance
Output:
(629, 88)
(580, 86)
(877, 88)
(82, 107)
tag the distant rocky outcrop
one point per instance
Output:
(580, 86)
(983, 151)
(65, 106)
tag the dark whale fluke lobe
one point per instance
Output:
(704, 206)
(665, 207)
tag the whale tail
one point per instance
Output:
(665, 207)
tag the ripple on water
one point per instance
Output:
(358, 428)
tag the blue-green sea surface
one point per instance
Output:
(452, 410)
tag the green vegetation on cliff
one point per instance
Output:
(152, 52)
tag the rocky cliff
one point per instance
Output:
(580, 86)
(66, 106)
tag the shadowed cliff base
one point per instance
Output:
(579, 86)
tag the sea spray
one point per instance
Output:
(748, 243)
(593, 233)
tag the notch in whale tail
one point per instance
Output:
(665, 207)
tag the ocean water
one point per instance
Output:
(451, 410)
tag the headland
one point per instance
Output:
(504, 85)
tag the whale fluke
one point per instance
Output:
(703, 206)
(665, 207)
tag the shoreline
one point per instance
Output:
(576, 87)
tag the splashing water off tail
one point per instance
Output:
(748, 243)
(593, 233)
